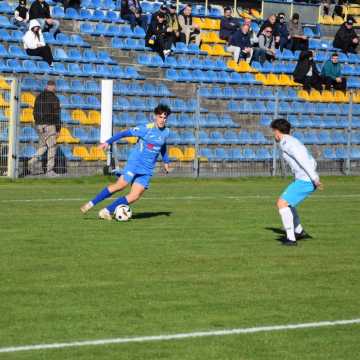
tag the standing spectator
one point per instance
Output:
(34, 43)
(21, 16)
(283, 32)
(131, 11)
(228, 25)
(298, 40)
(191, 31)
(158, 38)
(240, 45)
(48, 124)
(172, 21)
(306, 72)
(266, 49)
(346, 38)
(40, 11)
(331, 74)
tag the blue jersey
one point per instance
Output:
(151, 143)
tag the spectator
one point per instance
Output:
(191, 31)
(21, 16)
(270, 21)
(306, 72)
(158, 38)
(48, 124)
(331, 74)
(266, 49)
(163, 10)
(131, 11)
(40, 11)
(34, 43)
(240, 44)
(283, 32)
(327, 7)
(298, 40)
(346, 38)
(253, 36)
(172, 21)
(228, 25)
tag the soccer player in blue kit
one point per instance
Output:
(140, 165)
(307, 180)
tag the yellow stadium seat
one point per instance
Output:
(27, 116)
(243, 66)
(339, 96)
(4, 85)
(199, 22)
(66, 137)
(211, 24)
(176, 153)
(338, 20)
(207, 48)
(94, 117)
(97, 154)
(216, 39)
(189, 154)
(80, 116)
(255, 13)
(260, 77)
(7, 113)
(82, 151)
(206, 37)
(302, 94)
(315, 96)
(28, 98)
(220, 51)
(272, 79)
(356, 97)
(286, 80)
(232, 64)
(328, 96)
(3, 102)
(327, 20)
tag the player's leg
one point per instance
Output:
(119, 185)
(287, 220)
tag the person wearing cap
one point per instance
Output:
(283, 32)
(298, 40)
(228, 25)
(158, 37)
(346, 38)
(34, 43)
(131, 11)
(331, 74)
(21, 16)
(162, 10)
(40, 11)
(190, 29)
(48, 125)
(173, 24)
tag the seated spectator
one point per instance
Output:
(21, 16)
(240, 45)
(191, 31)
(228, 25)
(298, 40)
(270, 21)
(253, 36)
(162, 10)
(131, 11)
(331, 74)
(283, 32)
(40, 11)
(158, 38)
(306, 72)
(346, 38)
(266, 49)
(173, 24)
(327, 7)
(34, 43)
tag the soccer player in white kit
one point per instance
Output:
(307, 180)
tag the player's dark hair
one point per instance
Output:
(282, 125)
(161, 109)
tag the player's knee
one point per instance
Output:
(281, 203)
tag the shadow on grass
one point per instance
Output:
(277, 231)
(146, 215)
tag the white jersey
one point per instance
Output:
(302, 164)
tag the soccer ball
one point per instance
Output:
(123, 213)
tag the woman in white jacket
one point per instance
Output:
(34, 43)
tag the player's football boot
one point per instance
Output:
(86, 207)
(288, 242)
(303, 236)
(105, 214)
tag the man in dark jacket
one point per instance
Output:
(283, 32)
(162, 10)
(40, 11)
(346, 38)
(306, 72)
(172, 22)
(228, 25)
(131, 11)
(48, 124)
(158, 37)
(240, 44)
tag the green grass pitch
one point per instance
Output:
(198, 255)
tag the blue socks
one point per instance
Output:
(120, 201)
(105, 193)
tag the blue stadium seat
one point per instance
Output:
(221, 154)
(72, 14)
(64, 101)
(172, 74)
(4, 133)
(15, 66)
(30, 84)
(203, 137)
(117, 72)
(185, 120)
(262, 154)
(104, 57)
(27, 152)
(329, 154)
(355, 154)
(86, 28)
(5, 23)
(64, 39)
(81, 134)
(77, 40)
(207, 153)
(230, 137)
(28, 134)
(112, 17)
(249, 154)
(66, 118)
(258, 138)
(341, 153)
(139, 33)
(66, 150)
(98, 15)
(93, 102)
(31, 67)
(125, 31)
(5, 35)
(75, 70)
(5, 8)
(174, 138)
(235, 154)
(216, 137)
(62, 85)
(60, 55)
(244, 137)
(17, 52)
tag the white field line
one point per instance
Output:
(140, 339)
(198, 198)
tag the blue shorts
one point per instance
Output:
(297, 192)
(131, 177)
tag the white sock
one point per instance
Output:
(288, 222)
(91, 203)
(297, 224)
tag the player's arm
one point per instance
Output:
(165, 158)
(137, 132)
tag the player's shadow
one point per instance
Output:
(151, 214)
(278, 231)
